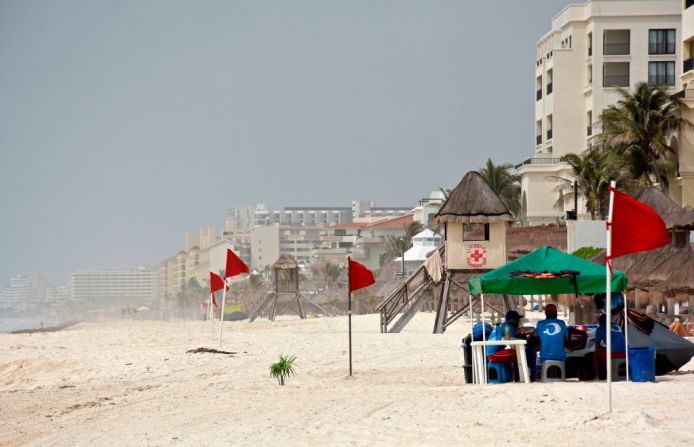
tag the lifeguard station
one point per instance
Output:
(283, 291)
(474, 221)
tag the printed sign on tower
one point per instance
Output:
(476, 255)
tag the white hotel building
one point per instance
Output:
(591, 49)
(100, 289)
(682, 190)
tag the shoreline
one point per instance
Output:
(56, 328)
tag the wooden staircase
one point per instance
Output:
(260, 302)
(407, 300)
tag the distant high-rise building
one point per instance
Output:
(24, 292)
(99, 289)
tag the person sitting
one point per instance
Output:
(618, 345)
(553, 335)
(505, 331)
(616, 309)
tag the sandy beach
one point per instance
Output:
(132, 383)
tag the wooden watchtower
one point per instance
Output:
(285, 285)
(474, 219)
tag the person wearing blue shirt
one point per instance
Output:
(510, 326)
(618, 345)
(553, 335)
(618, 342)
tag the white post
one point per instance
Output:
(626, 330)
(212, 312)
(472, 338)
(221, 317)
(608, 299)
(484, 343)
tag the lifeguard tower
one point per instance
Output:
(284, 291)
(474, 220)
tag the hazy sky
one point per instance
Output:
(124, 124)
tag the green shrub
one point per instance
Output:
(283, 369)
(587, 252)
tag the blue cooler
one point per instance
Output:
(642, 364)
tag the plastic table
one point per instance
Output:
(479, 363)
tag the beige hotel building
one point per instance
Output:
(591, 49)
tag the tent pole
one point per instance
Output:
(472, 337)
(484, 343)
(626, 330)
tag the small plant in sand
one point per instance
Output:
(283, 369)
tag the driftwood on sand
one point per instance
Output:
(209, 351)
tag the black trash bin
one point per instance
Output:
(467, 358)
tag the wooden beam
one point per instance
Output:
(442, 307)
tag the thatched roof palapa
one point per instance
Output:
(473, 201)
(668, 269)
(675, 216)
(285, 262)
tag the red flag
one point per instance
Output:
(235, 266)
(359, 276)
(216, 283)
(214, 300)
(635, 226)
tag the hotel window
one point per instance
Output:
(615, 74)
(475, 232)
(589, 119)
(590, 75)
(661, 73)
(538, 88)
(616, 42)
(590, 44)
(550, 78)
(549, 127)
(661, 41)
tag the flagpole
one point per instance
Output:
(212, 312)
(608, 300)
(221, 317)
(349, 313)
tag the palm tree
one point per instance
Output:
(446, 192)
(397, 245)
(505, 184)
(592, 171)
(639, 127)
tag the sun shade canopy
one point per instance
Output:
(547, 271)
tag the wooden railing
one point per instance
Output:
(402, 299)
(259, 302)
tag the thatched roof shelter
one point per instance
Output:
(522, 240)
(669, 269)
(675, 216)
(285, 262)
(473, 201)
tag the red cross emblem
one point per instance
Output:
(477, 255)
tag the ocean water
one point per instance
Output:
(16, 324)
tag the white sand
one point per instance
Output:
(132, 383)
